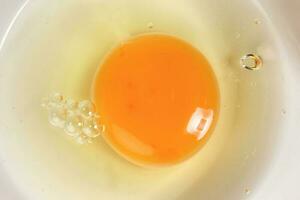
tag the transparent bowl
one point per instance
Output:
(252, 154)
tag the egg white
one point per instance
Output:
(56, 46)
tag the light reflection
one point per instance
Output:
(128, 140)
(200, 122)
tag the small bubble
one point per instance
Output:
(56, 98)
(247, 191)
(57, 117)
(251, 62)
(283, 111)
(150, 25)
(90, 132)
(82, 139)
(73, 125)
(71, 104)
(90, 129)
(257, 21)
(86, 108)
(71, 112)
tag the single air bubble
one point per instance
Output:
(57, 117)
(86, 108)
(251, 62)
(71, 104)
(257, 21)
(150, 25)
(90, 130)
(53, 101)
(71, 107)
(247, 191)
(56, 98)
(83, 139)
(73, 125)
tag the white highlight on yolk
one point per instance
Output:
(200, 122)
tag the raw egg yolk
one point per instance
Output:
(158, 98)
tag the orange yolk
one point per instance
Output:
(147, 92)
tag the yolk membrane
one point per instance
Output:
(158, 98)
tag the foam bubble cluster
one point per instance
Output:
(77, 119)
